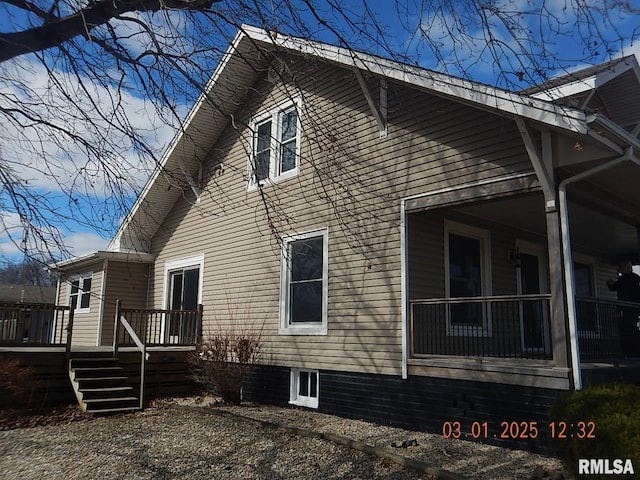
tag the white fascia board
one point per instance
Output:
(135, 257)
(462, 90)
(114, 244)
(567, 89)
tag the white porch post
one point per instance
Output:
(567, 258)
(542, 163)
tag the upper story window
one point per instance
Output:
(80, 294)
(304, 286)
(275, 148)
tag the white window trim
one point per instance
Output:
(538, 250)
(80, 279)
(172, 265)
(319, 328)
(178, 264)
(485, 272)
(294, 388)
(274, 159)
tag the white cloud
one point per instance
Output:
(54, 161)
(44, 244)
(11, 233)
(85, 242)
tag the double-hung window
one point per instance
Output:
(467, 275)
(275, 148)
(80, 293)
(304, 284)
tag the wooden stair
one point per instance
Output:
(102, 386)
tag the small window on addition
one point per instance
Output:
(304, 388)
(80, 294)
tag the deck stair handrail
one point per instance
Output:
(120, 319)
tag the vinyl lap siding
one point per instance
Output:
(85, 324)
(350, 182)
(128, 283)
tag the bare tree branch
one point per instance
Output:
(59, 30)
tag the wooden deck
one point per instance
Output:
(167, 369)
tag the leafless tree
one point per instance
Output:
(82, 82)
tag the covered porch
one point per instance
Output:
(494, 293)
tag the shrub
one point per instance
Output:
(615, 411)
(17, 383)
(222, 360)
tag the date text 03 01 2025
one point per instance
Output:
(519, 430)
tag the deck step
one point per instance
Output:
(115, 410)
(115, 399)
(111, 392)
(106, 389)
(92, 362)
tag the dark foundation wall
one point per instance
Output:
(421, 403)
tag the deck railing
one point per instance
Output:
(511, 326)
(162, 327)
(34, 324)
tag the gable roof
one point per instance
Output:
(584, 79)
(245, 58)
(611, 89)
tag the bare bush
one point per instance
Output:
(17, 383)
(222, 360)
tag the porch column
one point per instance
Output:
(558, 293)
(542, 163)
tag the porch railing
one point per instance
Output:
(603, 327)
(511, 326)
(162, 327)
(34, 324)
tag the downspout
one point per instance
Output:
(404, 289)
(567, 258)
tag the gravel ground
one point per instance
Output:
(188, 439)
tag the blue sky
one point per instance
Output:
(447, 39)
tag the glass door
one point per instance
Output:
(183, 295)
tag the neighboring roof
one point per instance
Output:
(27, 294)
(238, 70)
(86, 260)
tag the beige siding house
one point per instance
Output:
(410, 244)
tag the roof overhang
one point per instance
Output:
(583, 84)
(77, 263)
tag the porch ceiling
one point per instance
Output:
(594, 230)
